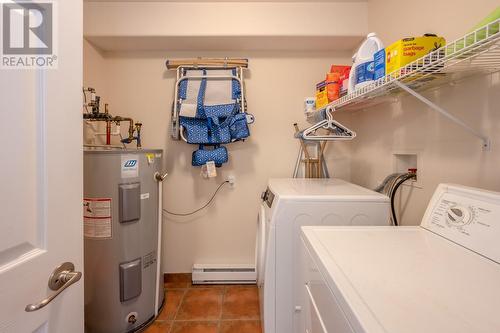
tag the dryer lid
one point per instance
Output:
(326, 189)
(406, 279)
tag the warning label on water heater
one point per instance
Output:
(97, 218)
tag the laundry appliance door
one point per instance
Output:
(260, 245)
(260, 248)
(266, 269)
(41, 243)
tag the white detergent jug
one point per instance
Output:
(362, 70)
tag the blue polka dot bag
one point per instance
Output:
(218, 154)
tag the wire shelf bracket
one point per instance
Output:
(486, 142)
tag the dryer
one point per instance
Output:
(287, 205)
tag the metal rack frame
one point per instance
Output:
(175, 126)
(475, 52)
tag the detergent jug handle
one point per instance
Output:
(373, 36)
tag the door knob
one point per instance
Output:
(61, 278)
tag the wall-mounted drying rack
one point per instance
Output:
(208, 63)
(315, 167)
(182, 66)
(478, 52)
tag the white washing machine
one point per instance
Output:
(287, 205)
(440, 277)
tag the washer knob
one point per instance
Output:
(458, 216)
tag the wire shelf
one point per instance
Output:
(475, 53)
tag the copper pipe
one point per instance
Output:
(109, 119)
(130, 126)
(108, 132)
(108, 125)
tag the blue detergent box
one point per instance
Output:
(379, 62)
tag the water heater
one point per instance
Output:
(120, 209)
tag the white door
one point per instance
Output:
(41, 184)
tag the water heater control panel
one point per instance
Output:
(467, 216)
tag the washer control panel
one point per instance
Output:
(462, 215)
(467, 216)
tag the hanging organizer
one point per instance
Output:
(209, 107)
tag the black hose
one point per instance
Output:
(393, 195)
(394, 182)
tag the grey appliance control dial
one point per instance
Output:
(458, 216)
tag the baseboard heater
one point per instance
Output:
(224, 274)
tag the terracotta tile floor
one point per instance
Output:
(207, 308)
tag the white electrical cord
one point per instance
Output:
(202, 207)
(159, 178)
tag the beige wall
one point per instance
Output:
(94, 70)
(94, 76)
(446, 152)
(137, 84)
(190, 18)
(395, 19)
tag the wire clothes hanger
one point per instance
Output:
(336, 131)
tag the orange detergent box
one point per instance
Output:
(407, 50)
(343, 80)
(329, 89)
(342, 70)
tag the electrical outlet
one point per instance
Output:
(232, 180)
